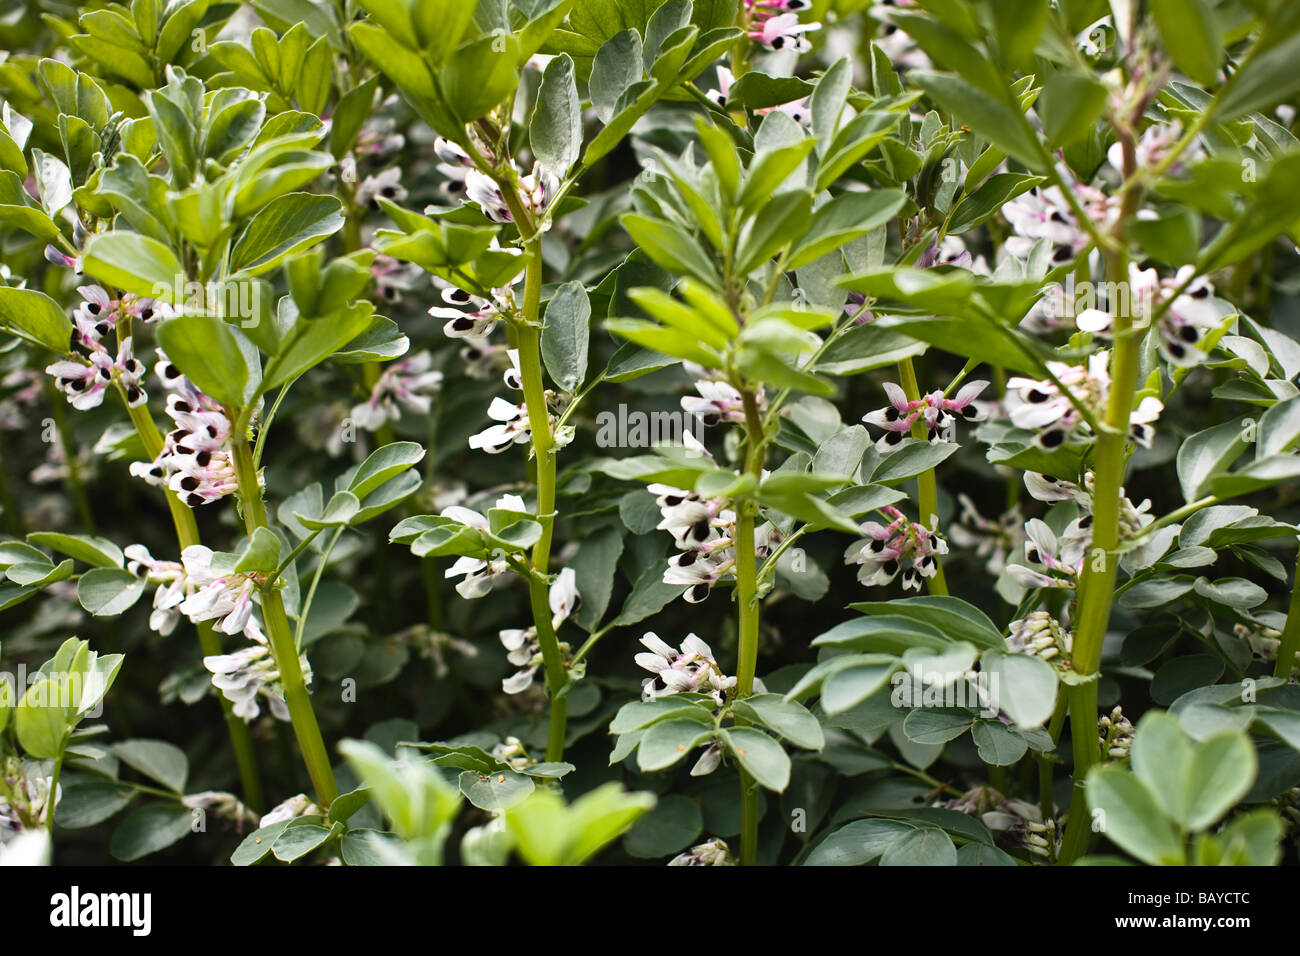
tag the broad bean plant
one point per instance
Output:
(702, 432)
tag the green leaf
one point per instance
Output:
(257, 845)
(1132, 818)
(786, 718)
(1268, 76)
(910, 459)
(975, 208)
(668, 741)
(36, 317)
(150, 829)
(565, 336)
(1161, 756)
(762, 757)
(671, 826)
(670, 246)
(384, 464)
(617, 66)
(134, 263)
(93, 550)
(925, 846)
(1222, 772)
(866, 347)
(1207, 454)
(105, 592)
(205, 349)
(843, 219)
(857, 843)
(1279, 429)
(996, 744)
(1026, 686)
(157, 760)
(1191, 35)
(41, 720)
(262, 554)
(555, 132)
(1001, 124)
(953, 617)
(297, 841)
(848, 686)
(497, 790)
(285, 226)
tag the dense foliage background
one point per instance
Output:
(814, 226)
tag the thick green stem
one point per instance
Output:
(187, 533)
(303, 717)
(747, 613)
(528, 341)
(1097, 578)
(1290, 644)
(927, 487)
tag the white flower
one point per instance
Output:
(386, 184)
(902, 545)
(691, 668)
(563, 596)
(408, 383)
(224, 598)
(511, 428)
(299, 805)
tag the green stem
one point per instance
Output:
(927, 488)
(52, 797)
(311, 591)
(1097, 580)
(1290, 644)
(305, 728)
(528, 341)
(747, 613)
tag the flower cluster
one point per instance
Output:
(716, 402)
(1054, 411)
(710, 853)
(1181, 305)
(249, 673)
(902, 545)
(408, 383)
(992, 539)
(775, 25)
(512, 424)
(212, 594)
(938, 412)
(524, 650)
(1021, 823)
(704, 531)
(1057, 561)
(1040, 635)
(480, 574)
(1115, 734)
(691, 669)
(535, 191)
(195, 461)
(1046, 214)
(85, 380)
